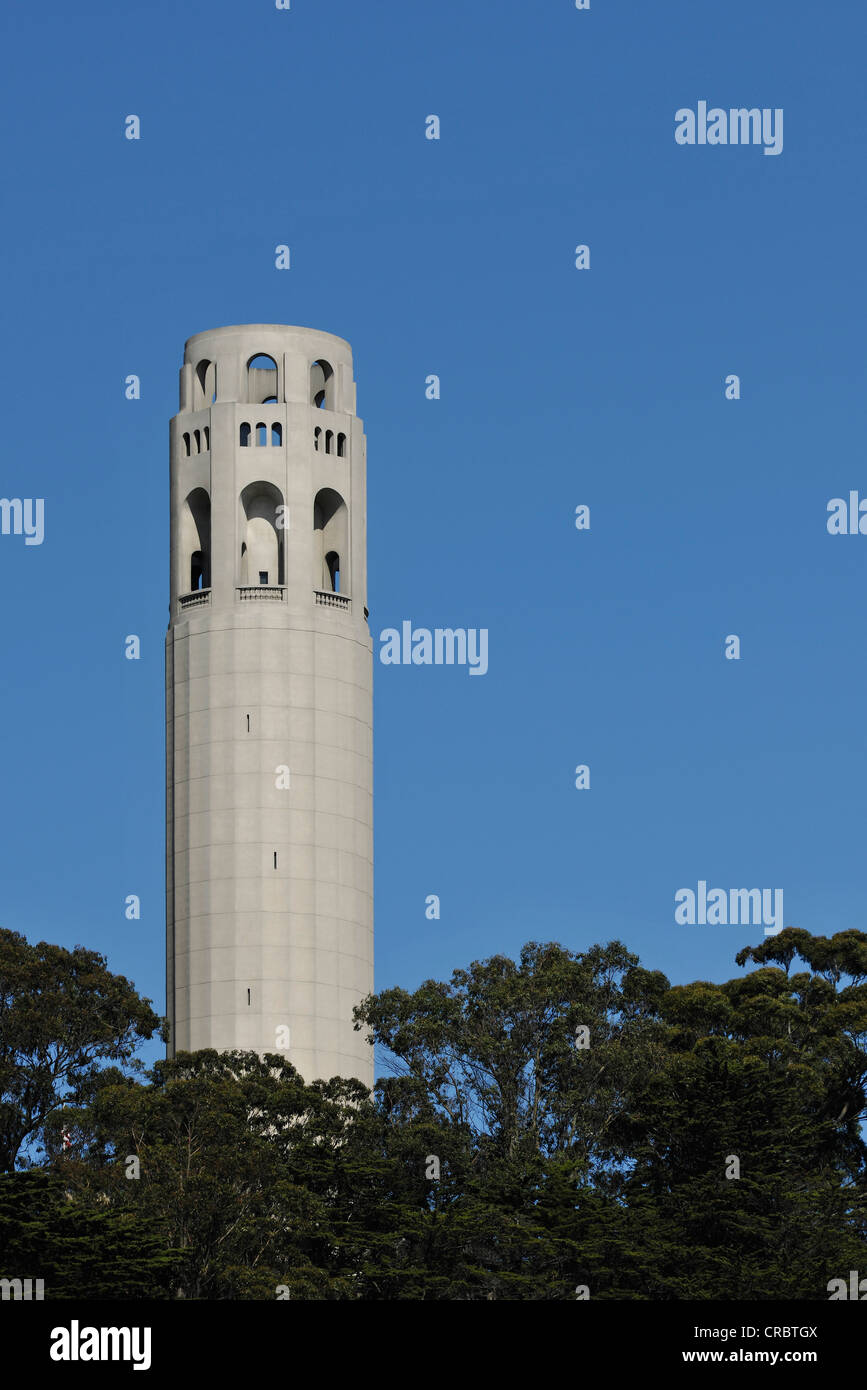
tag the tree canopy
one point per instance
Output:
(63, 1016)
(563, 1126)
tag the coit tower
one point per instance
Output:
(269, 710)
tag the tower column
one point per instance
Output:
(269, 844)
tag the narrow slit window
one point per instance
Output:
(275, 859)
(248, 723)
(248, 997)
(332, 560)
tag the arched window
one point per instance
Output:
(276, 434)
(331, 539)
(341, 446)
(244, 437)
(197, 437)
(206, 384)
(262, 434)
(329, 441)
(317, 435)
(262, 536)
(196, 541)
(322, 385)
(332, 564)
(187, 445)
(261, 379)
(207, 434)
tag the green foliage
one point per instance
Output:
(499, 1159)
(78, 1249)
(63, 1015)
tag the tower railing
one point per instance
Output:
(329, 599)
(261, 591)
(196, 599)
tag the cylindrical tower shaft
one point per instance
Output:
(269, 939)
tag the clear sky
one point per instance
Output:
(559, 387)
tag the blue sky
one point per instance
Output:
(559, 387)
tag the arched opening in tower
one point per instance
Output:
(196, 541)
(331, 540)
(205, 384)
(262, 379)
(322, 385)
(262, 559)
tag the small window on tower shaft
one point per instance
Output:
(248, 996)
(275, 859)
(263, 576)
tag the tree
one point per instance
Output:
(565, 1122)
(610, 1166)
(79, 1251)
(767, 1070)
(63, 1015)
(537, 1055)
(235, 1157)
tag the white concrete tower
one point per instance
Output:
(269, 709)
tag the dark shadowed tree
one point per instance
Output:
(79, 1250)
(63, 1017)
(565, 1124)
